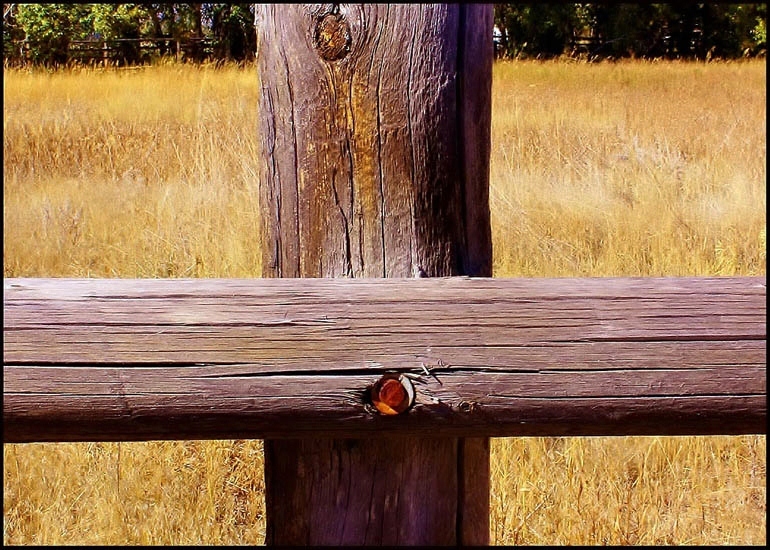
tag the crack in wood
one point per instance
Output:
(624, 397)
(662, 339)
(287, 322)
(415, 373)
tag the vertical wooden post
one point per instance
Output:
(375, 128)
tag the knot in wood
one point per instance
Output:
(392, 394)
(332, 37)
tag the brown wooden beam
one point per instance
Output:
(118, 360)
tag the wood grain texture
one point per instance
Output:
(374, 125)
(88, 360)
(377, 162)
(350, 498)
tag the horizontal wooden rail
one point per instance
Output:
(111, 359)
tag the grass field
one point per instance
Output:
(624, 169)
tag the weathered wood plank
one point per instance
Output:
(402, 515)
(375, 130)
(285, 358)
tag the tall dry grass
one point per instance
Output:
(629, 169)
(609, 169)
(143, 173)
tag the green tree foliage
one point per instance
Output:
(232, 26)
(111, 21)
(49, 28)
(12, 32)
(759, 34)
(175, 22)
(536, 29)
(675, 30)
(121, 20)
(628, 29)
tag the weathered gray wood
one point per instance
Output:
(375, 123)
(378, 161)
(389, 512)
(119, 360)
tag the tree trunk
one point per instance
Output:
(374, 130)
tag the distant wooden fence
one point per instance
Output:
(120, 50)
(373, 367)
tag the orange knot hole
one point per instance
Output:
(393, 394)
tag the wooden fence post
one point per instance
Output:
(375, 127)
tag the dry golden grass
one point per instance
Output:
(609, 169)
(158, 493)
(147, 173)
(629, 169)
(629, 490)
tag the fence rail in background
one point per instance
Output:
(131, 50)
(116, 360)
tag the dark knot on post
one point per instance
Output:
(332, 36)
